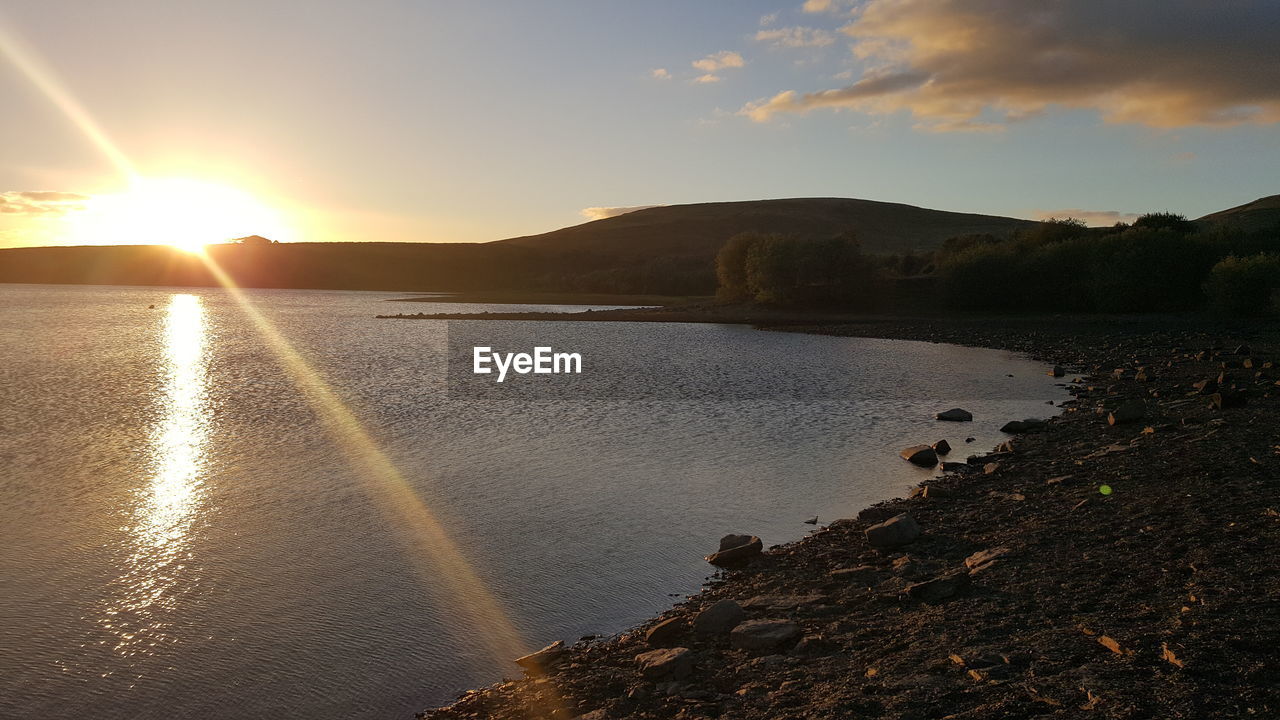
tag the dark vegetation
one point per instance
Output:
(789, 270)
(1160, 264)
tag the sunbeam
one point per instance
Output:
(434, 552)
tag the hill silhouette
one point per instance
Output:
(701, 229)
(657, 251)
(1261, 214)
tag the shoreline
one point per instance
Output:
(1155, 600)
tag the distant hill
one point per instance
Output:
(1261, 214)
(701, 229)
(656, 251)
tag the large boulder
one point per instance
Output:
(765, 637)
(666, 663)
(666, 633)
(895, 532)
(1021, 426)
(538, 663)
(955, 415)
(718, 619)
(736, 550)
(940, 588)
(921, 455)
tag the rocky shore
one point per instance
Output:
(1117, 561)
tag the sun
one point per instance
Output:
(184, 213)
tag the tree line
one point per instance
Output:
(1160, 263)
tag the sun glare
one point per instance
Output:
(187, 214)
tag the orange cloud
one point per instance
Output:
(1093, 218)
(975, 64)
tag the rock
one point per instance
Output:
(990, 468)
(736, 550)
(1005, 447)
(1129, 412)
(1208, 386)
(894, 532)
(930, 491)
(666, 664)
(875, 514)
(939, 588)
(955, 467)
(812, 646)
(908, 567)
(1227, 400)
(666, 633)
(1057, 371)
(861, 575)
(1013, 426)
(1142, 375)
(942, 447)
(778, 601)
(540, 662)
(600, 714)
(719, 618)
(921, 455)
(955, 415)
(1111, 644)
(984, 559)
(1168, 655)
(812, 521)
(764, 637)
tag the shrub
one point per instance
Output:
(788, 270)
(731, 268)
(1144, 270)
(1165, 221)
(1244, 285)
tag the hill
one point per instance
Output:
(701, 229)
(1261, 214)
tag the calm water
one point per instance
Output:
(289, 512)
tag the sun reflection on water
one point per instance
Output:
(158, 571)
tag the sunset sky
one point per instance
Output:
(472, 121)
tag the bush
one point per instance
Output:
(1058, 267)
(1144, 270)
(1244, 285)
(731, 268)
(790, 270)
(1166, 221)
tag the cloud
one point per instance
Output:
(40, 202)
(1094, 218)
(869, 87)
(767, 20)
(708, 78)
(796, 37)
(719, 61)
(826, 6)
(661, 74)
(600, 213)
(973, 64)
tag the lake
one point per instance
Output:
(274, 505)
